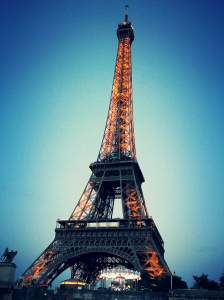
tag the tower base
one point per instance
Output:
(88, 247)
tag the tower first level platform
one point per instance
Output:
(136, 244)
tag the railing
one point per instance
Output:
(104, 223)
(113, 224)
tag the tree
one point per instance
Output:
(161, 284)
(145, 281)
(202, 282)
(221, 281)
(178, 283)
(213, 285)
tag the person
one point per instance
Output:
(65, 297)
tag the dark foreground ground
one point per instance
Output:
(38, 294)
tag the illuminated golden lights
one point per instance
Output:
(73, 283)
(119, 132)
(151, 264)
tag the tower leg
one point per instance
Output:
(88, 247)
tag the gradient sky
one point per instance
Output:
(56, 71)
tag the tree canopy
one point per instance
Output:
(161, 284)
(202, 282)
(221, 281)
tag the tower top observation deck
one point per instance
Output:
(125, 29)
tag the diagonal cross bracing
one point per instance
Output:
(92, 238)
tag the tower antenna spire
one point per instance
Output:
(126, 13)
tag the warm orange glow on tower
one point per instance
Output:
(116, 173)
(92, 239)
(118, 140)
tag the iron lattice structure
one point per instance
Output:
(91, 239)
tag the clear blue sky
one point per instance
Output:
(56, 71)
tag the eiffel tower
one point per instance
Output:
(91, 239)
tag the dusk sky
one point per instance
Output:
(56, 72)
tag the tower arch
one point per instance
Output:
(133, 240)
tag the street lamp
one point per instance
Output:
(171, 280)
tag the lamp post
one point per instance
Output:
(171, 281)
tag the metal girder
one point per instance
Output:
(112, 183)
(118, 140)
(87, 250)
(91, 240)
(118, 145)
(89, 266)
